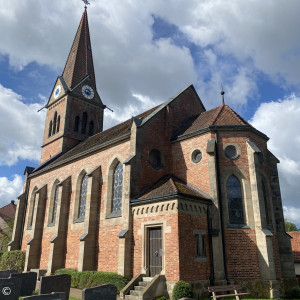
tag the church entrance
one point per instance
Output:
(155, 251)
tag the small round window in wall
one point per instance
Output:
(231, 152)
(156, 159)
(196, 156)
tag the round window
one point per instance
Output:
(196, 156)
(230, 152)
(156, 159)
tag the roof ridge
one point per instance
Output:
(173, 183)
(237, 115)
(221, 107)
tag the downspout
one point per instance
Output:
(221, 208)
(24, 214)
(211, 255)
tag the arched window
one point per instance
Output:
(84, 122)
(76, 126)
(235, 200)
(55, 205)
(31, 210)
(58, 123)
(117, 189)
(91, 128)
(50, 129)
(82, 200)
(267, 206)
(54, 123)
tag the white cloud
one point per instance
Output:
(21, 128)
(10, 189)
(280, 121)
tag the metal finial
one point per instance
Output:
(86, 2)
(222, 93)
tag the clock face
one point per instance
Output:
(87, 92)
(57, 91)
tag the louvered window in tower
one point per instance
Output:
(54, 123)
(76, 125)
(235, 200)
(117, 189)
(50, 129)
(82, 202)
(91, 128)
(58, 123)
(55, 205)
(84, 122)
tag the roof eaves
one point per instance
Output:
(163, 105)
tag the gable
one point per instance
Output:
(59, 90)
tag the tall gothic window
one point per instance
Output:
(32, 212)
(54, 123)
(82, 200)
(50, 129)
(58, 123)
(91, 128)
(76, 125)
(235, 200)
(84, 122)
(117, 189)
(55, 205)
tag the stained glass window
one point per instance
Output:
(117, 189)
(82, 201)
(55, 205)
(235, 200)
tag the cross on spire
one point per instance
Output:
(86, 2)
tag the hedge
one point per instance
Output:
(182, 289)
(13, 260)
(85, 279)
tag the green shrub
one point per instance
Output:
(182, 289)
(293, 293)
(13, 260)
(85, 279)
(162, 298)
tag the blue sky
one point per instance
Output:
(145, 52)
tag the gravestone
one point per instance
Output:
(55, 283)
(10, 288)
(101, 292)
(6, 273)
(39, 272)
(28, 282)
(52, 296)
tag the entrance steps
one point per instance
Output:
(137, 291)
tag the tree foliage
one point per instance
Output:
(6, 234)
(289, 226)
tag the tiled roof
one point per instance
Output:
(80, 60)
(219, 116)
(8, 211)
(169, 185)
(99, 139)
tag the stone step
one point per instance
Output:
(147, 279)
(130, 297)
(143, 283)
(135, 293)
(139, 288)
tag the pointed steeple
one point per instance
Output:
(80, 60)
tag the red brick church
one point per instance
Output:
(175, 193)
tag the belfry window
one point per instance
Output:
(84, 122)
(58, 123)
(55, 205)
(76, 125)
(82, 201)
(235, 200)
(91, 128)
(50, 129)
(54, 123)
(117, 189)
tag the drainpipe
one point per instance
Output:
(24, 214)
(221, 208)
(211, 255)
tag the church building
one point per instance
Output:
(177, 192)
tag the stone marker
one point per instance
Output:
(55, 283)
(39, 272)
(6, 273)
(10, 288)
(28, 282)
(52, 296)
(101, 292)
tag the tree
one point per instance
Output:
(289, 226)
(6, 233)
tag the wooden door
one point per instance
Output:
(155, 251)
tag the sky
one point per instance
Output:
(145, 52)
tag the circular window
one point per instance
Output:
(156, 159)
(196, 156)
(230, 152)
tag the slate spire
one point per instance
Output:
(80, 60)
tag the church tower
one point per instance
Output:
(74, 109)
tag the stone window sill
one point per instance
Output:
(200, 259)
(114, 214)
(238, 226)
(79, 220)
